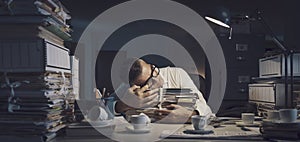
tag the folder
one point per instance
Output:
(39, 55)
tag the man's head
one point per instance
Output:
(142, 73)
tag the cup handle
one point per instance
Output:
(265, 115)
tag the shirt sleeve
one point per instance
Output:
(111, 106)
(117, 95)
(186, 82)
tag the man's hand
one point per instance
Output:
(174, 114)
(137, 97)
(142, 97)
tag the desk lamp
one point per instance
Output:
(220, 23)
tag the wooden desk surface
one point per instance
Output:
(120, 133)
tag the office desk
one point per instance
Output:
(119, 132)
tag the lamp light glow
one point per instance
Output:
(218, 22)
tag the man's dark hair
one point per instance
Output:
(131, 68)
(135, 71)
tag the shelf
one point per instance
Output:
(275, 80)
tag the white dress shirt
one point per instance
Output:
(173, 78)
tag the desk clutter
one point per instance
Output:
(38, 78)
(219, 128)
(276, 92)
(248, 127)
(281, 130)
(282, 124)
(274, 89)
(167, 96)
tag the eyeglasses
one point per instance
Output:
(153, 74)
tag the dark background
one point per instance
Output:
(282, 17)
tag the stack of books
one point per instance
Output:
(36, 77)
(45, 16)
(181, 96)
(280, 130)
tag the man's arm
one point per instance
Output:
(121, 107)
(175, 114)
(133, 97)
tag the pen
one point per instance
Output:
(103, 91)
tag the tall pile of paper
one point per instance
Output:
(34, 103)
(36, 85)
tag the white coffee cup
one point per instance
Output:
(139, 121)
(248, 118)
(273, 115)
(97, 114)
(199, 122)
(288, 115)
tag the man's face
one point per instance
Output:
(149, 76)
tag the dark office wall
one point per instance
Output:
(136, 29)
(281, 15)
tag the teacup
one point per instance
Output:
(248, 118)
(273, 115)
(139, 121)
(288, 115)
(97, 113)
(199, 122)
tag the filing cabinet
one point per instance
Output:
(242, 53)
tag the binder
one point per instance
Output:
(36, 55)
(16, 27)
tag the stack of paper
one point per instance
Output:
(55, 14)
(36, 85)
(38, 104)
(181, 96)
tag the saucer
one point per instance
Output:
(258, 118)
(281, 122)
(100, 123)
(138, 131)
(242, 124)
(268, 120)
